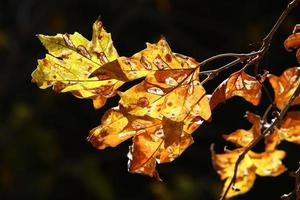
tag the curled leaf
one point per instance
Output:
(284, 86)
(293, 42)
(238, 84)
(71, 59)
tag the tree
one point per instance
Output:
(161, 112)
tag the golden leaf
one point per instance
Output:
(263, 164)
(159, 113)
(156, 97)
(290, 128)
(238, 84)
(72, 59)
(284, 86)
(156, 57)
(293, 42)
(243, 137)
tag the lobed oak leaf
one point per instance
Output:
(284, 86)
(157, 97)
(242, 137)
(238, 84)
(156, 57)
(71, 60)
(160, 113)
(263, 164)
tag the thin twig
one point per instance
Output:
(296, 191)
(252, 58)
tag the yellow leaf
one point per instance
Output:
(72, 59)
(268, 163)
(157, 97)
(263, 164)
(117, 127)
(155, 57)
(242, 185)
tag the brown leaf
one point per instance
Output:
(238, 84)
(284, 86)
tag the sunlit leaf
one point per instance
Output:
(156, 57)
(157, 97)
(268, 163)
(263, 164)
(238, 84)
(242, 137)
(290, 128)
(293, 42)
(284, 86)
(159, 113)
(72, 59)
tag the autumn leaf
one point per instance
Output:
(284, 86)
(262, 164)
(160, 113)
(154, 140)
(242, 137)
(293, 42)
(238, 84)
(71, 60)
(288, 131)
(156, 57)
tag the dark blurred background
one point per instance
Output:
(43, 151)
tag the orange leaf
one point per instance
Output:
(156, 57)
(284, 86)
(238, 84)
(290, 128)
(243, 137)
(293, 42)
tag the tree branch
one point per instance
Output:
(296, 191)
(252, 58)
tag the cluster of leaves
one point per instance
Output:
(162, 111)
(269, 162)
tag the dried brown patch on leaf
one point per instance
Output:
(284, 86)
(238, 84)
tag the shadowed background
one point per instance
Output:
(43, 151)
